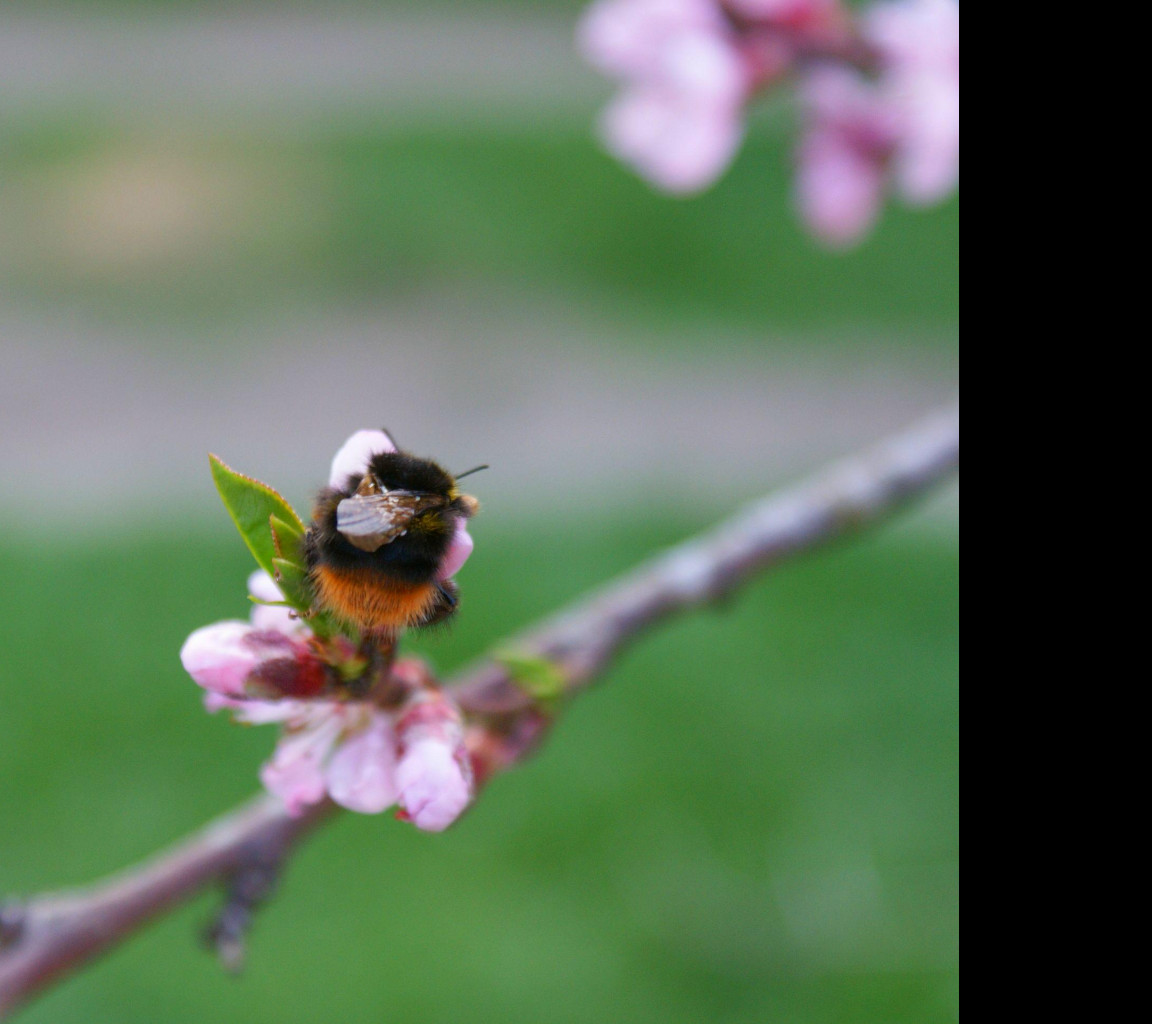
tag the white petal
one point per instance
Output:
(362, 773)
(295, 772)
(353, 456)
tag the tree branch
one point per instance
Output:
(844, 498)
(47, 936)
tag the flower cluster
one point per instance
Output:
(365, 753)
(879, 95)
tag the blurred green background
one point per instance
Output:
(253, 230)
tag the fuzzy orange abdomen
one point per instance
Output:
(371, 600)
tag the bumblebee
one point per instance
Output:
(376, 544)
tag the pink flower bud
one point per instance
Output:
(433, 775)
(434, 785)
(220, 658)
(352, 458)
(234, 660)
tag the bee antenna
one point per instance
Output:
(469, 472)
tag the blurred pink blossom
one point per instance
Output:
(919, 46)
(902, 126)
(880, 92)
(363, 757)
(678, 119)
(840, 167)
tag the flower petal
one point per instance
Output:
(272, 617)
(459, 549)
(218, 657)
(295, 772)
(353, 456)
(627, 37)
(362, 773)
(838, 189)
(677, 143)
(257, 712)
(434, 785)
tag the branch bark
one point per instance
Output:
(47, 936)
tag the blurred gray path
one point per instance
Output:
(94, 425)
(290, 66)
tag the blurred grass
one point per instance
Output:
(754, 818)
(241, 226)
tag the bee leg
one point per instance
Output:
(446, 601)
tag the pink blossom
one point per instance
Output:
(843, 155)
(434, 786)
(628, 38)
(295, 772)
(235, 660)
(362, 773)
(343, 748)
(677, 144)
(678, 119)
(919, 46)
(902, 127)
(434, 775)
(363, 756)
(838, 188)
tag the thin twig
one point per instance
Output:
(48, 936)
(845, 497)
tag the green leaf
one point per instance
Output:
(288, 539)
(252, 506)
(292, 579)
(541, 678)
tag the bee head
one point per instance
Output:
(399, 471)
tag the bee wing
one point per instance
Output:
(369, 521)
